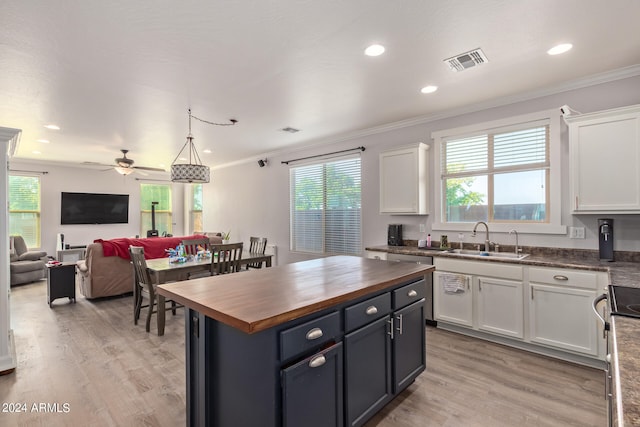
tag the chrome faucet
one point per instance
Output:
(516, 233)
(487, 242)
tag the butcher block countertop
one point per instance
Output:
(263, 298)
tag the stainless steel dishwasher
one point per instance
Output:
(428, 309)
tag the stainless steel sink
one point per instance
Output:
(480, 254)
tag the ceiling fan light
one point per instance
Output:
(123, 171)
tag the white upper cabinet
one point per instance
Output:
(604, 150)
(404, 180)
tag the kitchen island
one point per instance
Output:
(322, 342)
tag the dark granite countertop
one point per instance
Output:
(625, 271)
(626, 365)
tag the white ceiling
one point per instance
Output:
(122, 74)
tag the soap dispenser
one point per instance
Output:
(605, 239)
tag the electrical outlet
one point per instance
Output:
(576, 233)
(423, 228)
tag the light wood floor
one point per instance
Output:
(108, 372)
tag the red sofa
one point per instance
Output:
(106, 269)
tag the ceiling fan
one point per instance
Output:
(124, 165)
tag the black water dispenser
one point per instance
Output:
(605, 239)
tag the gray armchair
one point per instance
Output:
(25, 265)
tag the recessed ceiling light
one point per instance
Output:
(52, 127)
(429, 89)
(36, 152)
(44, 141)
(374, 50)
(290, 129)
(206, 151)
(561, 48)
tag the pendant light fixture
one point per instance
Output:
(194, 171)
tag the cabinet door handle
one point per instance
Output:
(390, 321)
(412, 293)
(399, 317)
(317, 361)
(314, 334)
(560, 277)
(371, 310)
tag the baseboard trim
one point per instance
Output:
(533, 348)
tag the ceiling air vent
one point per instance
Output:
(466, 60)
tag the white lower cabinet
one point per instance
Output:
(500, 308)
(538, 308)
(453, 299)
(560, 312)
(376, 255)
(465, 294)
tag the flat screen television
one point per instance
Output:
(94, 208)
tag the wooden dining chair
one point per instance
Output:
(257, 245)
(191, 246)
(145, 288)
(226, 258)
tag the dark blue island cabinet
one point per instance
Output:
(326, 342)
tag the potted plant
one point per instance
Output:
(225, 237)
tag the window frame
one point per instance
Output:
(552, 118)
(324, 231)
(38, 213)
(147, 211)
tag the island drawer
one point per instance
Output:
(299, 339)
(408, 294)
(367, 311)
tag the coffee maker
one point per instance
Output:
(394, 235)
(605, 239)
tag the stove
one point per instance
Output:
(625, 301)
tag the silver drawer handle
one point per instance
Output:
(314, 334)
(317, 361)
(560, 277)
(412, 293)
(371, 310)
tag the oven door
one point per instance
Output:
(608, 373)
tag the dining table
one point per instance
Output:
(163, 270)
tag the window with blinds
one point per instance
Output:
(499, 176)
(325, 214)
(24, 208)
(195, 211)
(160, 193)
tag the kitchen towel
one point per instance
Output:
(453, 283)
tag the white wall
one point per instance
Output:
(58, 179)
(254, 201)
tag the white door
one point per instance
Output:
(562, 317)
(500, 307)
(453, 298)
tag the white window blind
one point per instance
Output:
(501, 175)
(325, 211)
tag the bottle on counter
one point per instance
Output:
(428, 240)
